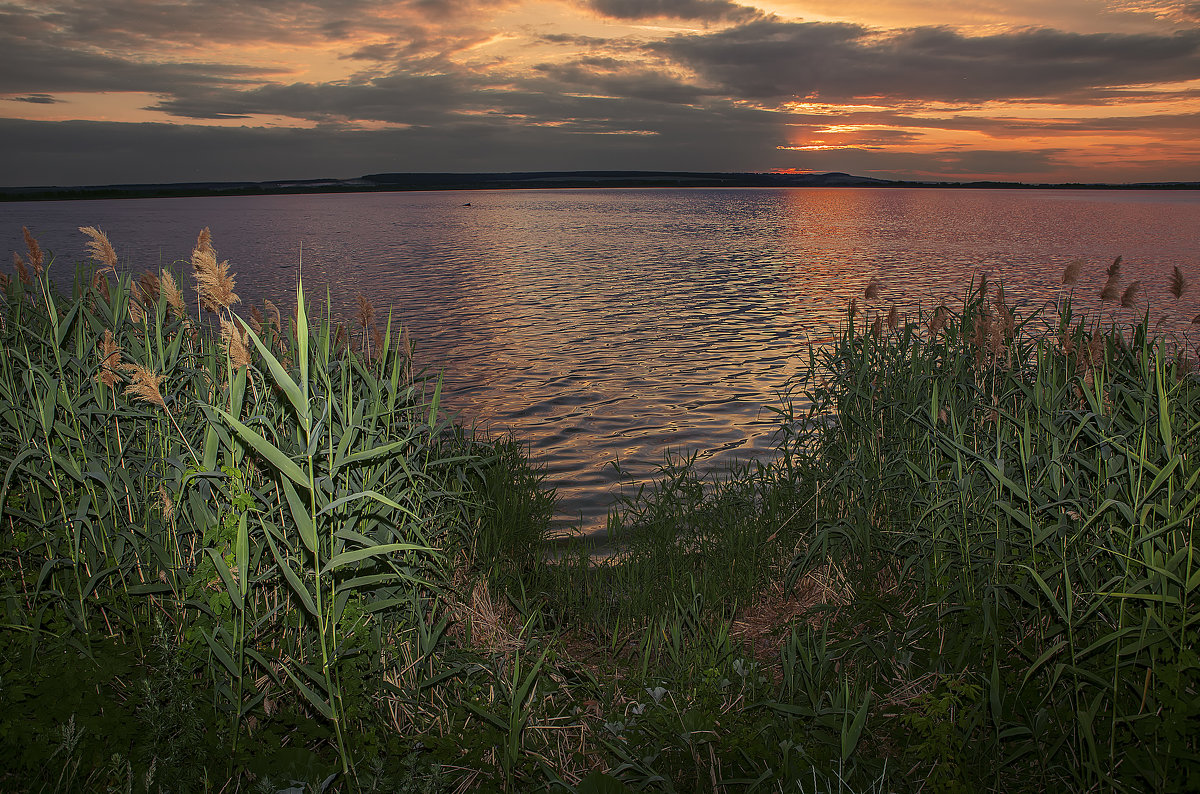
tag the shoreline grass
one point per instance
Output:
(243, 555)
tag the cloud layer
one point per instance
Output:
(272, 89)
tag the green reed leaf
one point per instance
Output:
(372, 495)
(234, 591)
(280, 376)
(293, 580)
(300, 515)
(357, 555)
(320, 703)
(274, 455)
(302, 337)
(221, 653)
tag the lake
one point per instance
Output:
(618, 325)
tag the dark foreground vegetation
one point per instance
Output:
(256, 556)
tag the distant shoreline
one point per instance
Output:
(373, 183)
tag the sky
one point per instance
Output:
(128, 91)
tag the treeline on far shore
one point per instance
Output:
(531, 180)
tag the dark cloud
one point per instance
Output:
(1184, 12)
(400, 99)
(707, 10)
(111, 153)
(614, 77)
(769, 58)
(34, 99)
(121, 24)
(711, 100)
(159, 46)
(599, 90)
(32, 66)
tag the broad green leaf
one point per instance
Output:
(300, 515)
(241, 553)
(373, 495)
(851, 735)
(221, 653)
(318, 702)
(279, 375)
(235, 592)
(368, 455)
(348, 557)
(302, 337)
(274, 455)
(293, 580)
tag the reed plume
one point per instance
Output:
(1178, 283)
(36, 258)
(204, 242)
(100, 248)
(938, 320)
(22, 271)
(1070, 273)
(100, 283)
(170, 290)
(273, 316)
(110, 355)
(893, 318)
(1066, 342)
(981, 336)
(136, 313)
(873, 287)
(1114, 270)
(1130, 294)
(149, 284)
(1111, 290)
(145, 385)
(1008, 321)
(256, 319)
(366, 312)
(168, 505)
(213, 282)
(236, 343)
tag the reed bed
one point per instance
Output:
(244, 553)
(266, 514)
(1024, 491)
(985, 523)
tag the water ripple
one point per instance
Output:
(608, 325)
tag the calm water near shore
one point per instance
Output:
(605, 325)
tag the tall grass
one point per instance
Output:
(275, 497)
(970, 565)
(1025, 491)
(986, 522)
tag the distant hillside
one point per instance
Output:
(516, 180)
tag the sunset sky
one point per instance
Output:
(112, 91)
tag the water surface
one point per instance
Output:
(604, 325)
